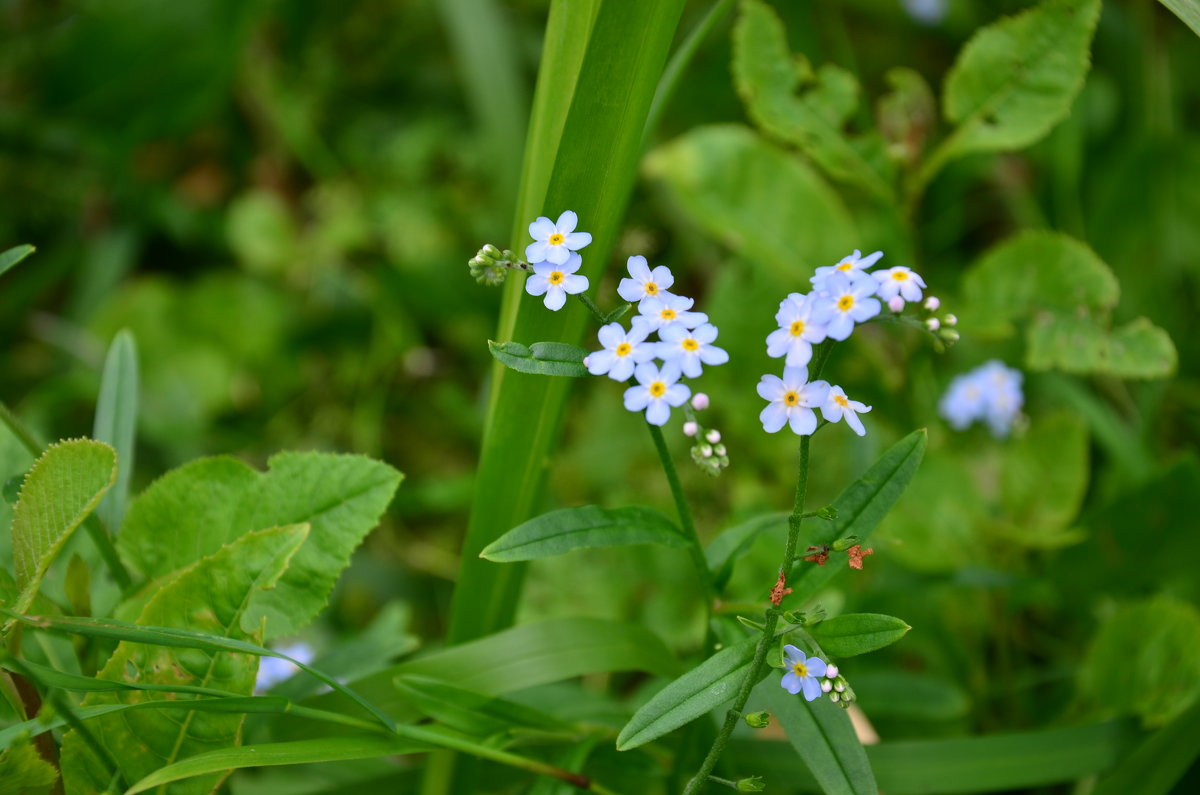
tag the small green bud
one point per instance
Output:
(758, 720)
(828, 512)
(949, 335)
(752, 624)
(752, 784)
(842, 544)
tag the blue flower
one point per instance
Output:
(899, 281)
(645, 283)
(657, 312)
(802, 673)
(852, 301)
(801, 320)
(990, 393)
(791, 401)
(554, 242)
(622, 352)
(557, 281)
(837, 406)
(656, 391)
(690, 348)
(854, 267)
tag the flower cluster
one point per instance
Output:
(813, 677)
(553, 255)
(708, 452)
(684, 345)
(990, 393)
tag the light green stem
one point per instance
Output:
(685, 515)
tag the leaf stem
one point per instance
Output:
(685, 515)
(591, 305)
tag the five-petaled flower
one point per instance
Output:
(656, 391)
(690, 347)
(557, 281)
(791, 401)
(644, 283)
(554, 242)
(661, 311)
(622, 352)
(838, 406)
(801, 320)
(803, 673)
(851, 301)
(857, 553)
(854, 267)
(900, 281)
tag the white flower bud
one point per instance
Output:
(950, 320)
(896, 304)
(689, 428)
(833, 697)
(719, 449)
(713, 436)
(831, 671)
(932, 324)
(838, 686)
(706, 450)
(932, 303)
(700, 401)
(826, 686)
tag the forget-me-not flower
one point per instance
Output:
(657, 391)
(643, 282)
(622, 352)
(791, 401)
(659, 311)
(803, 673)
(853, 267)
(837, 406)
(554, 242)
(801, 320)
(990, 393)
(851, 302)
(900, 281)
(690, 348)
(557, 281)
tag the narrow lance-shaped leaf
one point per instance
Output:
(471, 712)
(1186, 10)
(14, 255)
(732, 544)
(1157, 765)
(116, 421)
(61, 489)
(223, 586)
(541, 358)
(700, 690)
(858, 633)
(588, 526)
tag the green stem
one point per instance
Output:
(591, 305)
(92, 524)
(685, 515)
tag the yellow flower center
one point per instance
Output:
(846, 266)
(667, 314)
(797, 328)
(658, 389)
(651, 288)
(899, 275)
(623, 349)
(800, 669)
(845, 303)
(556, 239)
(841, 401)
(555, 277)
(791, 399)
(690, 344)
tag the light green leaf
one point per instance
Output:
(213, 596)
(116, 422)
(14, 255)
(1157, 765)
(24, 772)
(213, 501)
(822, 735)
(700, 690)
(1071, 343)
(585, 527)
(860, 508)
(732, 544)
(790, 102)
(763, 203)
(858, 633)
(906, 114)
(1140, 349)
(61, 489)
(471, 712)
(1016, 78)
(1187, 10)
(1043, 479)
(541, 358)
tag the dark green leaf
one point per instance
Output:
(542, 358)
(589, 526)
(1157, 765)
(471, 712)
(1187, 10)
(14, 255)
(732, 544)
(116, 422)
(858, 633)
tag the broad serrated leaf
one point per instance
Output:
(733, 543)
(587, 526)
(14, 255)
(789, 101)
(860, 508)
(1070, 343)
(116, 422)
(1016, 78)
(211, 502)
(858, 633)
(1140, 349)
(750, 195)
(61, 489)
(822, 735)
(212, 596)
(700, 690)
(541, 358)
(471, 712)
(24, 772)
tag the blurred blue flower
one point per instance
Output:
(803, 673)
(900, 281)
(273, 670)
(990, 393)
(854, 267)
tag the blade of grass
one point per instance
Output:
(116, 421)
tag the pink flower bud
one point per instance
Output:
(932, 303)
(713, 436)
(585, 360)
(700, 401)
(831, 671)
(932, 324)
(690, 428)
(896, 304)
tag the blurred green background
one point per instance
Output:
(279, 199)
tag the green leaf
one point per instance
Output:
(860, 508)
(541, 358)
(702, 689)
(14, 255)
(1043, 479)
(24, 772)
(1187, 10)
(471, 712)
(858, 633)
(586, 527)
(768, 78)
(213, 501)
(213, 597)
(1016, 78)
(822, 735)
(1140, 349)
(61, 489)
(1157, 765)
(116, 422)
(893, 693)
(750, 195)
(730, 545)
(300, 752)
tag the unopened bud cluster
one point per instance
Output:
(491, 265)
(837, 688)
(708, 452)
(941, 326)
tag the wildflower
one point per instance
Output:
(273, 670)
(700, 401)
(713, 436)
(900, 281)
(661, 311)
(933, 324)
(791, 401)
(656, 391)
(896, 304)
(801, 320)
(950, 320)
(831, 671)
(857, 553)
(622, 351)
(837, 406)
(991, 393)
(690, 428)
(963, 402)
(803, 673)
(851, 302)
(557, 281)
(932, 303)
(645, 283)
(554, 242)
(690, 348)
(853, 267)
